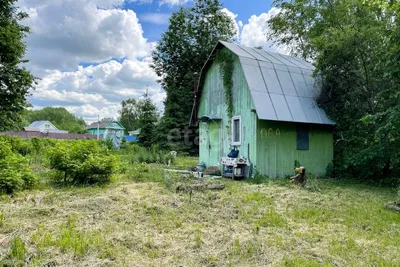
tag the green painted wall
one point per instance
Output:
(270, 145)
(212, 104)
(277, 149)
(102, 131)
(94, 131)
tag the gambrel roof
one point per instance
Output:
(282, 87)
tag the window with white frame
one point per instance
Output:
(236, 131)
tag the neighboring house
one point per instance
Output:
(43, 127)
(275, 119)
(108, 130)
(134, 133)
(132, 136)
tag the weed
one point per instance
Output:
(1, 219)
(236, 249)
(271, 219)
(197, 239)
(147, 243)
(300, 262)
(69, 238)
(17, 250)
(257, 197)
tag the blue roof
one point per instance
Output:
(130, 138)
(37, 124)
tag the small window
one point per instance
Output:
(303, 138)
(236, 131)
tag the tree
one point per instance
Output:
(147, 121)
(129, 114)
(15, 81)
(182, 51)
(60, 117)
(354, 45)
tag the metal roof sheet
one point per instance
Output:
(264, 105)
(282, 87)
(237, 50)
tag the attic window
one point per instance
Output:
(47, 125)
(303, 138)
(236, 131)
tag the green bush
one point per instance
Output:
(15, 174)
(136, 154)
(83, 162)
(18, 145)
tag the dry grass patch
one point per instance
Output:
(148, 224)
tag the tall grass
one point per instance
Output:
(134, 154)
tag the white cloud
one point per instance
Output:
(99, 89)
(173, 2)
(64, 33)
(67, 33)
(90, 112)
(155, 18)
(255, 32)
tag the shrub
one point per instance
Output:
(18, 145)
(137, 154)
(15, 174)
(83, 162)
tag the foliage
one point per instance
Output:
(182, 51)
(130, 114)
(226, 60)
(15, 174)
(60, 117)
(135, 154)
(15, 81)
(18, 145)
(355, 48)
(296, 164)
(70, 239)
(17, 250)
(147, 121)
(82, 162)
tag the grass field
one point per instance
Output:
(131, 223)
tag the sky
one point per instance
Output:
(92, 54)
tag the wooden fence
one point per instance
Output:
(51, 135)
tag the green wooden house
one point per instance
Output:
(108, 130)
(275, 120)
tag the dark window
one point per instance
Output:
(303, 139)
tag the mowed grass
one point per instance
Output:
(130, 223)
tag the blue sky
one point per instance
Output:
(152, 31)
(92, 54)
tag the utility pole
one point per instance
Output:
(98, 127)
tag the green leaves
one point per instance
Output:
(83, 162)
(226, 60)
(354, 45)
(182, 51)
(15, 173)
(15, 81)
(60, 117)
(147, 121)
